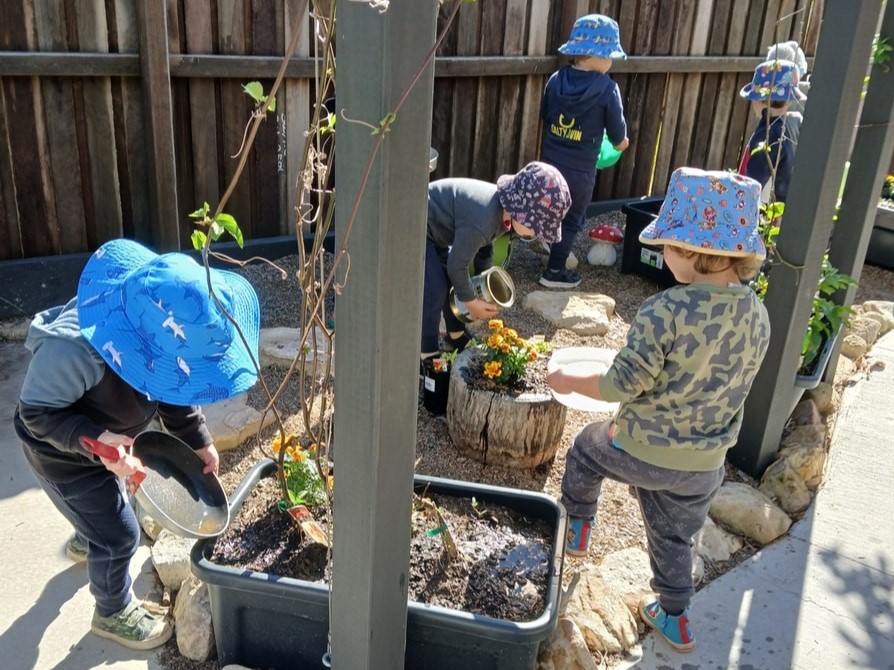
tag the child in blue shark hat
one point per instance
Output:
(769, 156)
(580, 105)
(691, 356)
(143, 340)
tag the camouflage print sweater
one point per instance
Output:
(691, 355)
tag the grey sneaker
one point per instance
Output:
(134, 627)
(560, 279)
(75, 550)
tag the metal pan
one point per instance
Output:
(175, 492)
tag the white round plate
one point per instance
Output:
(583, 360)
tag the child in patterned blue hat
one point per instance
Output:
(143, 340)
(691, 356)
(580, 104)
(769, 156)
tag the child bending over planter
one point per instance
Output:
(691, 355)
(465, 216)
(143, 340)
(580, 104)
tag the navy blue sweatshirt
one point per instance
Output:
(70, 392)
(577, 107)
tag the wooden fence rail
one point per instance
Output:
(119, 118)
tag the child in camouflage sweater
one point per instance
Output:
(691, 356)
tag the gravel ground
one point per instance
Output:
(620, 525)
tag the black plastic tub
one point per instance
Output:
(279, 623)
(636, 258)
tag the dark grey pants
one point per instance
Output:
(674, 504)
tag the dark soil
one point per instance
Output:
(533, 381)
(501, 569)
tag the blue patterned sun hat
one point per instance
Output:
(774, 80)
(711, 212)
(152, 320)
(594, 35)
(536, 196)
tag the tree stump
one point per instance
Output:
(499, 429)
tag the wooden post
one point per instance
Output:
(156, 78)
(823, 146)
(869, 163)
(378, 317)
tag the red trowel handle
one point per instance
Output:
(101, 449)
(110, 453)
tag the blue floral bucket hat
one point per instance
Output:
(536, 196)
(711, 212)
(152, 320)
(594, 35)
(774, 80)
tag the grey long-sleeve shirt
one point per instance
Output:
(463, 215)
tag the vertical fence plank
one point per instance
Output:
(463, 120)
(204, 126)
(488, 104)
(673, 95)
(529, 131)
(235, 108)
(11, 243)
(100, 125)
(510, 88)
(67, 212)
(21, 120)
(727, 93)
(264, 178)
(741, 117)
(294, 118)
(706, 118)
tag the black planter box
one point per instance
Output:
(279, 623)
(881, 242)
(637, 259)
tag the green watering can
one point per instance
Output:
(608, 155)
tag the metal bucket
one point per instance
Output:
(494, 286)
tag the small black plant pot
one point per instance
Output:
(280, 623)
(435, 387)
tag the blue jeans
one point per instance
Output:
(436, 290)
(107, 526)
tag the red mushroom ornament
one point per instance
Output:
(605, 236)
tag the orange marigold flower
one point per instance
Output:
(492, 369)
(532, 355)
(494, 341)
(510, 334)
(495, 324)
(505, 347)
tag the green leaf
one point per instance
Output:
(254, 90)
(216, 231)
(198, 239)
(229, 224)
(271, 105)
(201, 213)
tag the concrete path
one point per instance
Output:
(820, 598)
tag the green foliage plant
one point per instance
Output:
(506, 355)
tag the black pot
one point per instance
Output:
(280, 623)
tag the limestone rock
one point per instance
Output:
(782, 482)
(845, 369)
(812, 435)
(564, 649)
(806, 413)
(149, 525)
(14, 330)
(192, 612)
(232, 421)
(808, 460)
(582, 313)
(279, 346)
(883, 321)
(601, 614)
(749, 512)
(629, 573)
(866, 329)
(884, 308)
(822, 397)
(170, 557)
(853, 346)
(715, 544)
(698, 569)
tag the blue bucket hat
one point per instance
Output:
(594, 35)
(711, 212)
(152, 320)
(774, 80)
(536, 196)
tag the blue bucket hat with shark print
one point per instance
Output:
(154, 323)
(594, 35)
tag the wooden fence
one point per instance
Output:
(104, 134)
